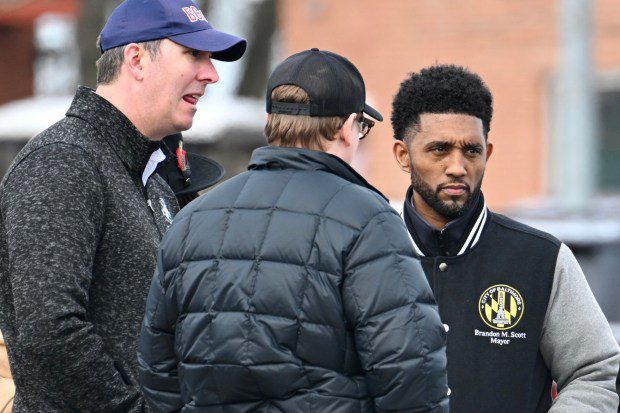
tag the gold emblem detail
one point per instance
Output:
(501, 307)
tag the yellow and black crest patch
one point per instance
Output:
(501, 307)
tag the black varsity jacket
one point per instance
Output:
(492, 279)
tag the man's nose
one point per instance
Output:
(207, 72)
(456, 164)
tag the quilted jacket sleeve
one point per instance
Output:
(399, 336)
(157, 360)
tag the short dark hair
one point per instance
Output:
(440, 89)
(109, 64)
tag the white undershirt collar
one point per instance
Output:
(151, 165)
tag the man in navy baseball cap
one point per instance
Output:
(181, 21)
(83, 254)
(157, 61)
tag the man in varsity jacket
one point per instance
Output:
(518, 310)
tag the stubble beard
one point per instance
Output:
(448, 209)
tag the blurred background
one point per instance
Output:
(553, 67)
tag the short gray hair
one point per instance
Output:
(109, 64)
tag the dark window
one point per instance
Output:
(609, 149)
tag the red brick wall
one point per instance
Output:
(16, 65)
(511, 44)
(22, 12)
(17, 42)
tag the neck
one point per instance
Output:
(123, 97)
(336, 148)
(431, 216)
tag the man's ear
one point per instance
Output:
(401, 155)
(348, 132)
(133, 57)
(489, 150)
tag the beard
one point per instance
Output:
(450, 209)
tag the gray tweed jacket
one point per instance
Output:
(78, 240)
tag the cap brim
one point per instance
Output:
(205, 173)
(372, 112)
(223, 46)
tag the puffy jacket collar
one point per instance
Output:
(275, 157)
(132, 147)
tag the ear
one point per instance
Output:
(266, 117)
(489, 150)
(349, 132)
(133, 56)
(401, 155)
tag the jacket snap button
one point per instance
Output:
(446, 327)
(443, 267)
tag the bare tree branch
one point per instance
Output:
(257, 58)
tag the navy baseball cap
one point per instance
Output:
(181, 21)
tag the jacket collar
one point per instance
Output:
(133, 148)
(275, 157)
(456, 238)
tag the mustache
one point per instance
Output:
(453, 182)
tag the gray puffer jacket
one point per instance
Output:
(292, 287)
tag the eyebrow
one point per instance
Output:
(472, 145)
(189, 49)
(434, 144)
(449, 144)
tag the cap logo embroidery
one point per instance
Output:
(194, 14)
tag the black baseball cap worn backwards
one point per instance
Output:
(335, 86)
(181, 21)
(185, 172)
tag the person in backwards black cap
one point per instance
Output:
(187, 173)
(293, 286)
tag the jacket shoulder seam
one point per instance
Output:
(516, 226)
(47, 145)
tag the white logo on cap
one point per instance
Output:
(194, 14)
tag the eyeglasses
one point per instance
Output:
(365, 125)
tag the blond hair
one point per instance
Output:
(310, 132)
